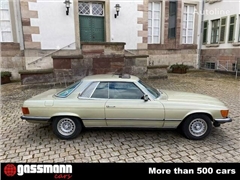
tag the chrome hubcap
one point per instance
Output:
(198, 127)
(66, 126)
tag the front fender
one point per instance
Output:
(199, 112)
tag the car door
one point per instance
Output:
(92, 106)
(127, 108)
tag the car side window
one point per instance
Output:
(101, 91)
(124, 90)
(89, 90)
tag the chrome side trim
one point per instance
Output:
(93, 119)
(34, 118)
(173, 119)
(135, 119)
(126, 119)
(224, 120)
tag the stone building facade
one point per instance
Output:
(144, 33)
(221, 35)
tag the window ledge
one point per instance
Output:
(236, 44)
(212, 45)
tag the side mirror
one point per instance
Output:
(145, 97)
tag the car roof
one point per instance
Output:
(111, 77)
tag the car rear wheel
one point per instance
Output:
(66, 127)
(197, 127)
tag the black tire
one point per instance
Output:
(197, 127)
(66, 127)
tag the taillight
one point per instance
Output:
(25, 110)
(224, 113)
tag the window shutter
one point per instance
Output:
(239, 29)
(223, 29)
(205, 30)
(231, 29)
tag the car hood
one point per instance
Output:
(190, 97)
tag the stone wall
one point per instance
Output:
(28, 28)
(143, 33)
(221, 57)
(157, 72)
(169, 57)
(111, 58)
(70, 69)
(96, 58)
(11, 59)
(37, 76)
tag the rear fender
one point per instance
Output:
(65, 114)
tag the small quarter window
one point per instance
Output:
(89, 90)
(67, 91)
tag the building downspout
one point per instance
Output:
(17, 8)
(200, 37)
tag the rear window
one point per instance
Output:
(67, 91)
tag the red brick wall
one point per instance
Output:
(106, 65)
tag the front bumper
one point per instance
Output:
(225, 120)
(36, 119)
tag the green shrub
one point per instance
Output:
(6, 73)
(179, 66)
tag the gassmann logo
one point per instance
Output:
(43, 168)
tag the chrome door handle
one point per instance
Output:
(111, 106)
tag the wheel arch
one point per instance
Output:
(67, 115)
(195, 113)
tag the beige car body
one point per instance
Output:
(166, 111)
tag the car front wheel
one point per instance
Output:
(66, 127)
(197, 127)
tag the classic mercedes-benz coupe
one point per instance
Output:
(124, 101)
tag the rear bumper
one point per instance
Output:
(36, 119)
(225, 120)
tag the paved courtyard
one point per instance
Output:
(24, 142)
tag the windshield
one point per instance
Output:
(67, 91)
(152, 90)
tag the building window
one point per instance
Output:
(5, 22)
(154, 22)
(172, 19)
(205, 32)
(210, 65)
(223, 29)
(94, 9)
(231, 29)
(188, 24)
(215, 31)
